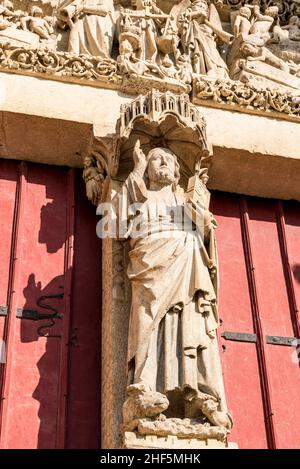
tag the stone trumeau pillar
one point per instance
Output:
(161, 375)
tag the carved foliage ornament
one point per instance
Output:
(236, 95)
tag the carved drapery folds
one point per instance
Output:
(146, 45)
(163, 160)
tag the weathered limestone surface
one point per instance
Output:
(135, 441)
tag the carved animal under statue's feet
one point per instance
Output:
(142, 403)
(206, 406)
(215, 416)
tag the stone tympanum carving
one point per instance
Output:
(37, 24)
(256, 56)
(149, 44)
(293, 29)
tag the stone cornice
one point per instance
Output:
(82, 69)
(99, 72)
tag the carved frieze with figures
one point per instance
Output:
(184, 46)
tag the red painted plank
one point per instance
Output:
(274, 308)
(31, 387)
(258, 329)
(8, 188)
(8, 179)
(85, 350)
(68, 272)
(291, 226)
(239, 360)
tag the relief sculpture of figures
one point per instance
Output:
(92, 26)
(148, 41)
(255, 57)
(174, 373)
(293, 29)
(199, 31)
(20, 28)
(37, 24)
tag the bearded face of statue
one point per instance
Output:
(161, 166)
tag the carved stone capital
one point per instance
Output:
(163, 119)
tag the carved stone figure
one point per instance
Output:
(6, 13)
(172, 348)
(242, 22)
(252, 62)
(144, 21)
(94, 175)
(20, 28)
(200, 26)
(153, 40)
(129, 61)
(36, 23)
(142, 403)
(293, 28)
(263, 23)
(92, 26)
(262, 54)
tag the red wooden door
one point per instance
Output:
(259, 252)
(50, 386)
(49, 255)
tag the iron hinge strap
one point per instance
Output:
(278, 340)
(246, 337)
(239, 336)
(27, 314)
